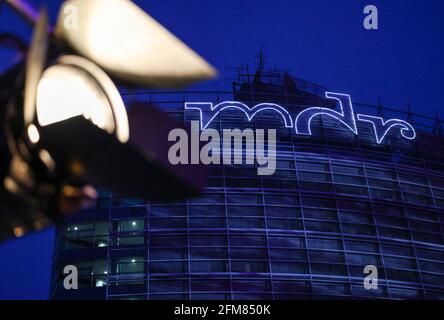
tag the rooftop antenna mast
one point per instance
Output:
(261, 66)
(261, 60)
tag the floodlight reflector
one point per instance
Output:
(74, 87)
(129, 44)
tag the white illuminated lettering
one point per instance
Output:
(346, 116)
(303, 121)
(382, 127)
(208, 112)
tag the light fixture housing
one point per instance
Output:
(75, 86)
(69, 129)
(119, 37)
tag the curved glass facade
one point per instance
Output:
(337, 202)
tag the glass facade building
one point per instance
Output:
(337, 202)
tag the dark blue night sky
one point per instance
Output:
(318, 40)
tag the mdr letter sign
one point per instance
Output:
(302, 122)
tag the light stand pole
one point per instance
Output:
(24, 9)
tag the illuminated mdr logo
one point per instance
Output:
(302, 123)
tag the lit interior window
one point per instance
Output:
(100, 283)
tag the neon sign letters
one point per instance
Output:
(207, 117)
(302, 123)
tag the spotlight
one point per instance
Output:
(120, 37)
(66, 127)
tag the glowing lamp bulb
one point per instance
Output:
(77, 87)
(33, 134)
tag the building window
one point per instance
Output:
(129, 232)
(129, 265)
(87, 235)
